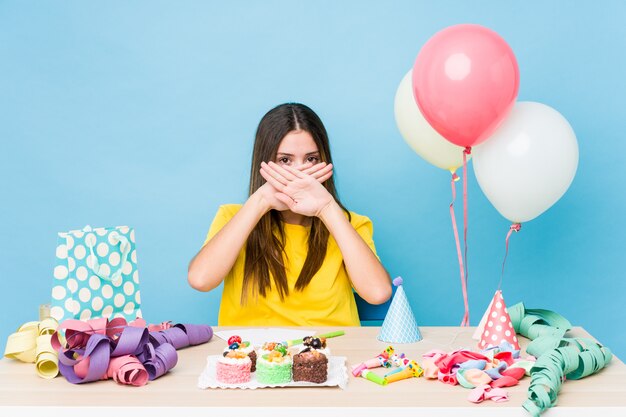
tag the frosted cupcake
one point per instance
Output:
(311, 364)
(235, 344)
(273, 364)
(233, 368)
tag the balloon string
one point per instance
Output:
(465, 321)
(515, 227)
(466, 151)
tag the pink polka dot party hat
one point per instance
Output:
(497, 324)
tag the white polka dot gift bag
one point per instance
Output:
(96, 275)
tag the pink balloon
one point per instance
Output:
(465, 81)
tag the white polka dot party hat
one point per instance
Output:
(498, 327)
(399, 325)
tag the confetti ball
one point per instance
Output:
(233, 346)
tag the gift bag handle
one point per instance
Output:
(97, 268)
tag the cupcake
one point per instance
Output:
(235, 344)
(273, 364)
(233, 368)
(311, 363)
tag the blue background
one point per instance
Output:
(143, 114)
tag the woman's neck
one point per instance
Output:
(294, 218)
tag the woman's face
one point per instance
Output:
(296, 149)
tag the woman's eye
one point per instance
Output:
(283, 160)
(313, 159)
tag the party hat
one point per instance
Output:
(399, 325)
(499, 327)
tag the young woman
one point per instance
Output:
(292, 254)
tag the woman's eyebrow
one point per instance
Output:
(289, 154)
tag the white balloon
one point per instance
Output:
(419, 134)
(528, 163)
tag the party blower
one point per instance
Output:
(412, 370)
(371, 376)
(381, 360)
(400, 362)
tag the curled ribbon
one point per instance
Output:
(532, 323)
(127, 370)
(128, 353)
(31, 343)
(558, 358)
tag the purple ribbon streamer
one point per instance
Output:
(155, 350)
(164, 358)
(98, 350)
(183, 335)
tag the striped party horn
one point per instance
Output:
(381, 360)
(413, 370)
(371, 376)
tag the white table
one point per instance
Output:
(21, 390)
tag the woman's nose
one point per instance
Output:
(303, 165)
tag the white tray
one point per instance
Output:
(337, 376)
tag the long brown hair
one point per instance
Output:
(266, 244)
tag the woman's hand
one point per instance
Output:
(216, 259)
(300, 191)
(267, 193)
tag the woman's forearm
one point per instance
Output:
(369, 278)
(213, 262)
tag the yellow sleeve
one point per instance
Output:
(365, 228)
(223, 216)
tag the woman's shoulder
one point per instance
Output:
(230, 208)
(228, 211)
(359, 220)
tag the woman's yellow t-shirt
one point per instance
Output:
(328, 300)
